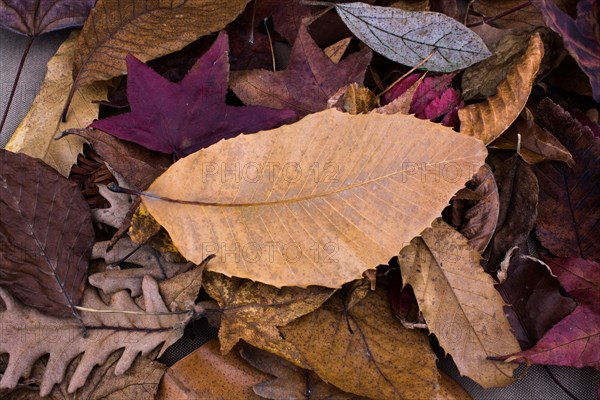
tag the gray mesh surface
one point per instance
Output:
(539, 382)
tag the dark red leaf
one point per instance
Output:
(533, 294)
(46, 235)
(569, 221)
(581, 36)
(34, 17)
(399, 88)
(575, 340)
(310, 79)
(184, 117)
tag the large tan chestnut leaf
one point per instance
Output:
(489, 119)
(317, 202)
(459, 303)
(35, 135)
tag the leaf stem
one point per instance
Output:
(16, 81)
(94, 310)
(413, 69)
(502, 14)
(317, 3)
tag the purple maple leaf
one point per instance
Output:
(184, 117)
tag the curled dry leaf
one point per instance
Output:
(309, 80)
(410, 37)
(106, 333)
(291, 381)
(138, 165)
(363, 349)
(480, 219)
(252, 311)
(35, 134)
(459, 303)
(114, 29)
(537, 143)
(208, 374)
(569, 220)
(305, 211)
(489, 119)
(46, 235)
(518, 193)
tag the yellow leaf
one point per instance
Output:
(317, 202)
(337, 50)
(363, 349)
(459, 303)
(487, 120)
(35, 134)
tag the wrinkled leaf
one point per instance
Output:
(568, 218)
(107, 332)
(183, 117)
(489, 119)
(208, 374)
(35, 17)
(46, 235)
(459, 302)
(291, 206)
(409, 37)
(114, 30)
(290, 382)
(35, 134)
(518, 193)
(252, 311)
(575, 340)
(537, 144)
(309, 80)
(358, 346)
(580, 35)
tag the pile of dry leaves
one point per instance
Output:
(343, 190)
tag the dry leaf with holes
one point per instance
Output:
(459, 302)
(305, 211)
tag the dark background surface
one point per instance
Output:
(538, 383)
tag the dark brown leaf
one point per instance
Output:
(569, 220)
(518, 190)
(46, 235)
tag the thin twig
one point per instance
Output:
(270, 44)
(502, 14)
(413, 69)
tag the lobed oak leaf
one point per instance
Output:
(46, 235)
(252, 311)
(357, 345)
(35, 17)
(222, 376)
(292, 207)
(140, 332)
(183, 117)
(309, 80)
(568, 219)
(459, 303)
(489, 119)
(581, 35)
(575, 340)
